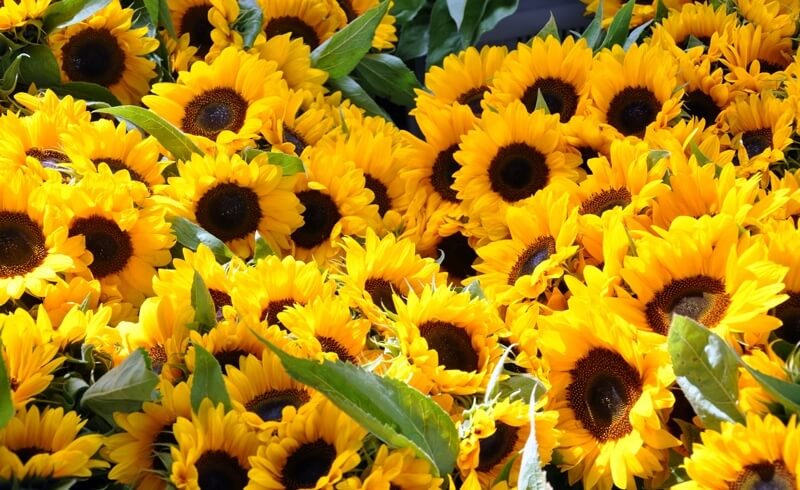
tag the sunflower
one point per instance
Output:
(101, 142)
(44, 445)
(705, 93)
(779, 237)
(196, 22)
(756, 58)
(313, 21)
(448, 241)
(761, 125)
(17, 14)
(385, 34)
(325, 328)
(262, 390)
(701, 21)
(233, 199)
(753, 398)
(772, 15)
(760, 454)
(260, 292)
(213, 449)
(223, 101)
(336, 203)
(30, 360)
(643, 10)
(397, 468)
(125, 234)
(35, 144)
(451, 337)
(611, 392)
(588, 137)
(380, 269)
(146, 437)
(508, 158)
(700, 268)
(34, 233)
(543, 234)
(80, 327)
(556, 69)
(293, 57)
(313, 448)
(464, 77)
(295, 121)
(105, 49)
(62, 296)
(230, 341)
(636, 89)
(68, 110)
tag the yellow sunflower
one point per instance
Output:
(312, 449)
(35, 236)
(18, 13)
(385, 34)
(773, 15)
(706, 94)
(760, 454)
(213, 449)
(557, 69)
(636, 89)
(756, 58)
(84, 327)
(105, 49)
(779, 236)
(447, 240)
(543, 240)
(753, 398)
(223, 101)
(146, 436)
(230, 341)
(398, 468)
(701, 21)
(508, 158)
(35, 144)
(611, 393)
(44, 445)
(295, 121)
(588, 137)
(450, 337)
(313, 21)
(293, 57)
(233, 199)
(67, 109)
(195, 24)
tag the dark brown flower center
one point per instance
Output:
(220, 298)
(117, 165)
(602, 201)
(632, 110)
(270, 404)
(214, 111)
(348, 9)
(472, 99)
(26, 453)
(789, 314)
(307, 464)
(561, 97)
(110, 246)
(442, 174)
(95, 56)
(458, 256)
(764, 476)
(296, 27)
(518, 171)
(770, 67)
(320, 216)
(22, 243)
(229, 211)
(230, 357)
(701, 105)
(162, 444)
(682, 410)
(380, 192)
(756, 141)
(603, 390)
(270, 313)
(218, 470)
(452, 344)
(381, 291)
(701, 298)
(195, 23)
(158, 357)
(536, 253)
(293, 137)
(587, 152)
(497, 446)
(329, 344)
(48, 158)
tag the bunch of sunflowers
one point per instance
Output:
(223, 265)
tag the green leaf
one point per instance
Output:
(67, 12)
(248, 23)
(481, 16)
(388, 76)
(505, 472)
(661, 11)
(205, 313)
(618, 30)
(262, 248)
(521, 387)
(474, 289)
(413, 37)
(706, 368)
(393, 411)
(456, 9)
(168, 135)
(531, 475)
(342, 52)
(90, 92)
(152, 7)
(635, 35)
(165, 19)
(594, 30)
(6, 402)
(549, 29)
(353, 91)
(702, 159)
(693, 42)
(654, 156)
(207, 380)
(541, 103)
(123, 388)
(405, 10)
(191, 235)
(444, 37)
(784, 392)
(39, 67)
(10, 75)
(289, 164)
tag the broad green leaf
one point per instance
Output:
(405, 10)
(152, 7)
(784, 392)
(11, 74)
(205, 313)
(67, 12)
(413, 37)
(594, 30)
(39, 66)
(191, 235)
(289, 164)
(6, 402)
(262, 248)
(521, 387)
(456, 9)
(207, 380)
(618, 30)
(531, 475)
(661, 11)
(706, 369)
(549, 29)
(481, 16)
(701, 158)
(342, 52)
(635, 35)
(87, 91)
(168, 135)
(248, 23)
(165, 19)
(123, 388)
(443, 36)
(393, 411)
(353, 91)
(505, 472)
(388, 76)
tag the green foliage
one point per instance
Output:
(64, 13)
(6, 403)
(531, 475)
(249, 21)
(207, 380)
(357, 95)
(618, 30)
(39, 66)
(549, 29)
(388, 76)
(91, 92)
(191, 235)
(205, 313)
